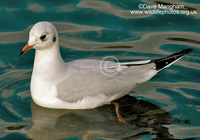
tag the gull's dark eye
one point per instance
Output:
(43, 37)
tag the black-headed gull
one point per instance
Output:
(82, 84)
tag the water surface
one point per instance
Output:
(95, 29)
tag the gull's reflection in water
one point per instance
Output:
(143, 118)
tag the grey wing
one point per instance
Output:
(85, 80)
(84, 83)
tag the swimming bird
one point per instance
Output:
(83, 84)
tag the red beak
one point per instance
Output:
(25, 49)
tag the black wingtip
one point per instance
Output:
(167, 61)
(186, 51)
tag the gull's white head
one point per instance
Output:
(42, 35)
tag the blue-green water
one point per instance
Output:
(95, 29)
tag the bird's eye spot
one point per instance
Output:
(43, 37)
(54, 39)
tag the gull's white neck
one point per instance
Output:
(48, 64)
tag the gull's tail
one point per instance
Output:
(169, 60)
(162, 62)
